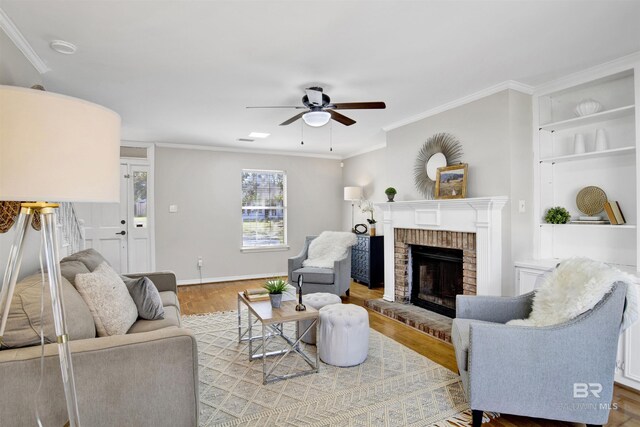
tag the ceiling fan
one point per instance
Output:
(320, 109)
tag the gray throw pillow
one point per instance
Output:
(146, 296)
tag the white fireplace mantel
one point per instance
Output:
(480, 215)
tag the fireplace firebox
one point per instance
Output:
(437, 277)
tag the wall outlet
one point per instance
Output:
(521, 206)
(199, 262)
(173, 208)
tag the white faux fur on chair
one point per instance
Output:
(329, 247)
(575, 287)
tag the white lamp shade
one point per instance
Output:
(55, 148)
(316, 118)
(352, 193)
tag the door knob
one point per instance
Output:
(122, 233)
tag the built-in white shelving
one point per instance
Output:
(587, 226)
(590, 155)
(627, 110)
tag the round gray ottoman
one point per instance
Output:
(344, 334)
(317, 301)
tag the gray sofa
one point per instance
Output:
(532, 371)
(148, 377)
(334, 280)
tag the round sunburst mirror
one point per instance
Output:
(440, 150)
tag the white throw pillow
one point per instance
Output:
(329, 247)
(111, 306)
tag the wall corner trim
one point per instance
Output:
(509, 84)
(21, 43)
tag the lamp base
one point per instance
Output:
(300, 307)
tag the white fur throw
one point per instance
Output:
(575, 287)
(328, 247)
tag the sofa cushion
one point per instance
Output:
(108, 299)
(145, 296)
(314, 275)
(460, 339)
(171, 318)
(69, 270)
(23, 323)
(89, 257)
(169, 298)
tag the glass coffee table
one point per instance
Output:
(273, 322)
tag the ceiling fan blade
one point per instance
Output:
(314, 95)
(283, 106)
(359, 105)
(292, 119)
(340, 118)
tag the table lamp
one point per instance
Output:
(53, 148)
(352, 194)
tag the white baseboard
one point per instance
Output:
(230, 278)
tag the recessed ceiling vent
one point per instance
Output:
(63, 47)
(245, 140)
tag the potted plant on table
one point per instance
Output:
(391, 193)
(275, 287)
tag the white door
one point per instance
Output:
(121, 231)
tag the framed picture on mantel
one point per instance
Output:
(451, 182)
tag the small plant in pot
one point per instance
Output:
(557, 215)
(391, 193)
(276, 288)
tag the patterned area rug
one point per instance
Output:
(395, 386)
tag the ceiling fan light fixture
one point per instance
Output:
(316, 118)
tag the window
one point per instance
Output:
(264, 209)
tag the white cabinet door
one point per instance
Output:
(631, 367)
(528, 279)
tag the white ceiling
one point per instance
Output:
(183, 71)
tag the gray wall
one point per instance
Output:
(495, 133)
(15, 70)
(206, 187)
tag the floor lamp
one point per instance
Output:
(352, 194)
(53, 148)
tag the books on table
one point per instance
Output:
(256, 294)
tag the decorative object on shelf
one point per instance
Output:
(391, 193)
(587, 107)
(367, 207)
(601, 140)
(276, 287)
(352, 194)
(360, 229)
(590, 201)
(451, 182)
(557, 215)
(300, 306)
(579, 146)
(438, 151)
(612, 208)
(256, 294)
(8, 213)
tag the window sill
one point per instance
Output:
(250, 249)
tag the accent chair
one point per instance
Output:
(561, 372)
(334, 280)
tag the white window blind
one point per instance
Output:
(264, 208)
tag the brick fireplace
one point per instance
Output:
(473, 226)
(405, 237)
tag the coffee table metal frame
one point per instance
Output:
(272, 327)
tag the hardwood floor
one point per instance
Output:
(207, 298)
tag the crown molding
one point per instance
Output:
(597, 71)
(509, 84)
(366, 150)
(21, 43)
(245, 150)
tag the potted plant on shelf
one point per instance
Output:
(391, 193)
(275, 287)
(557, 215)
(367, 207)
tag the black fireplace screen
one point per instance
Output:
(436, 278)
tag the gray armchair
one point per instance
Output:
(334, 280)
(561, 372)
